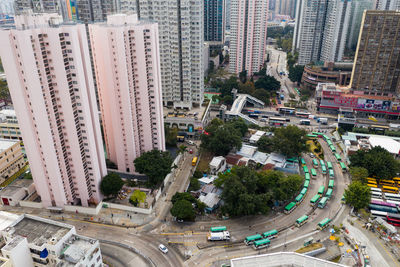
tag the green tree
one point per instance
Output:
(4, 92)
(183, 210)
(137, 197)
(180, 196)
(111, 184)
(378, 161)
(290, 140)
(171, 135)
(295, 73)
(197, 174)
(194, 184)
(240, 125)
(155, 164)
(220, 138)
(358, 195)
(262, 94)
(268, 83)
(243, 76)
(227, 100)
(182, 149)
(265, 144)
(246, 88)
(211, 66)
(359, 174)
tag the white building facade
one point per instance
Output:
(247, 35)
(50, 80)
(127, 66)
(180, 26)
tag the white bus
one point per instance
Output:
(397, 203)
(377, 213)
(305, 122)
(376, 195)
(391, 196)
(373, 189)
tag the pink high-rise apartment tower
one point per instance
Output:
(248, 35)
(47, 65)
(127, 66)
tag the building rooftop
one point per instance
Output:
(387, 143)
(6, 219)
(6, 144)
(24, 183)
(195, 112)
(216, 161)
(10, 190)
(75, 248)
(38, 230)
(282, 259)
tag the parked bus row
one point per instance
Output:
(391, 218)
(300, 197)
(387, 186)
(261, 240)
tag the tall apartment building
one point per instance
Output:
(321, 30)
(286, 7)
(214, 20)
(336, 29)
(47, 65)
(248, 35)
(37, 6)
(387, 4)
(377, 61)
(180, 27)
(127, 65)
(357, 11)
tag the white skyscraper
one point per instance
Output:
(180, 24)
(248, 35)
(387, 4)
(321, 30)
(47, 64)
(336, 29)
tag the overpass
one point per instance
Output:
(241, 101)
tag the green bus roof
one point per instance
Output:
(306, 183)
(218, 228)
(302, 219)
(313, 172)
(305, 169)
(337, 156)
(342, 165)
(303, 191)
(329, 192)
(262, 242)
(302, 161)
(323, 200)
(307, 176)
(290, 206)
(315, 162)
(329, 164)
(331, 173)
(322, 162)
(331, 183)
(315, 198)
(270, 233)
(321, 189)
(312, 135)
(299, 197)
(317, 133)
(324, 222)
(332, 147)
(323, 168)
(254, 237)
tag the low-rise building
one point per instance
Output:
(217, 165)
(18, 190)
(330, 72)
(11, 158)
(9, 128)
(332, 99)
(31, 241)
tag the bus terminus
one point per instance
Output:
(343, 166)
(331, 183)
(331, 173)
(390, 189)
(250, 239)
(299, 198)
(305, 169)
(324, 223)
(306, 184)
(307, 176)
(323, 168)
(301, 221)
(329, 164)
(337, 156)
(387, 182)
(323, 202)
(329, 193)
(263, 243)
(271, 234)
(315, 163)
(321, 190)
(314, 200)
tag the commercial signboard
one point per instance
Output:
(373, 104)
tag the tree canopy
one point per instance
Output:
(111, 184)
(183, 210)
(290, 140)
(155, 164)
(171, 135)
(220, 137)
(247, 192)
(359, 174)
(137, 197)
(378, 161)
(268, 83)
(358, 195)
(295, 73)
(265, 144)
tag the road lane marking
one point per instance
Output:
(182, 233)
